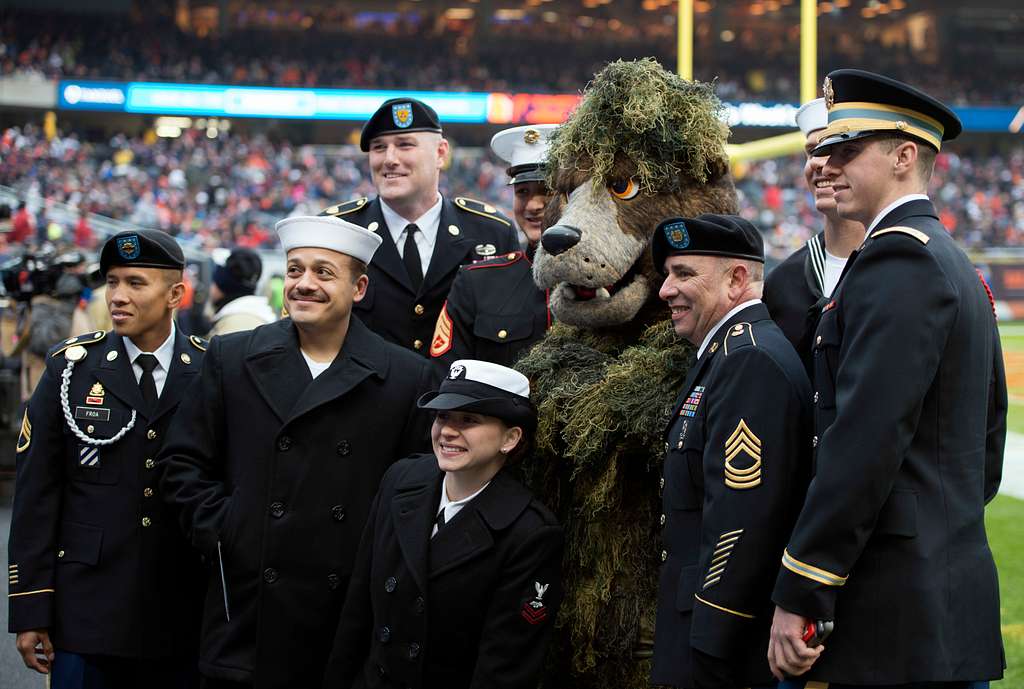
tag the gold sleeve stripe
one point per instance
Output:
(737, 532)
(811, 572)
(727, 541)
(29, 593)
(719, 557)
(723, 550)
(708, 584)
(723, 609)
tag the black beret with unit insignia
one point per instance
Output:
(399, 116)
(708, 234)
(143, 249)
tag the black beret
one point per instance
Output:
(708, 234)
(861, 104)
(398, 116)
(143, 249)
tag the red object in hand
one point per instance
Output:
(809, 630)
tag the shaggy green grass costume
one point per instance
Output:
(604, 395)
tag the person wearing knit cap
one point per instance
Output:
(793, 288)
(890, 546)
(737, 460)
(274, 460)
(495, 311)
(456, 582)
(104, 590)
(233, 303)
(426, 237)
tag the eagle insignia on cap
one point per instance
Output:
(401, 115)
(128, 247)
(830, 96)
(457, 370)
(677, 236)
(531, 136)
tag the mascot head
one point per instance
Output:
(642, 145)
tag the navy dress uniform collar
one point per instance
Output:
(275, 362)
(414, 507)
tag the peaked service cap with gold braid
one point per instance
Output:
(862, 103)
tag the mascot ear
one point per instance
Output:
(718, 167)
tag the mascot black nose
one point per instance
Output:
(560, 238)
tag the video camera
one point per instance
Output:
(35, 273)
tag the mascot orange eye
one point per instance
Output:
(624, 190)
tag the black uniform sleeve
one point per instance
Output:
(193, 479)
(995, 439)
(416, 433)
(877, 389)
(454, 329)
(32, 550)
(756, 461)
(515, 634)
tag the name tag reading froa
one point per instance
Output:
(92, 413)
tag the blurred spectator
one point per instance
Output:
(233, 303)
(84, 236)
(21, 225)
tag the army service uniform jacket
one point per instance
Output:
(891, 541)
(95, 555)
(274, 473)
(472, 607)
(467, 231)
(495, 312)
(737, 464)
(792, 292)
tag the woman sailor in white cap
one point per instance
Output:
(456, 583)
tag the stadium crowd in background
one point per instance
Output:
(228, 191)
(346, 52)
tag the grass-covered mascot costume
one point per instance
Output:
(642, 145)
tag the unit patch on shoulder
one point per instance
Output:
(442, 342)
(345, 208)
(480, 208)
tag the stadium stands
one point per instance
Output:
(230, 190)
(752, 66)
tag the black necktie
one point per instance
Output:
(440, 521)
(147, 362)
(411, 257)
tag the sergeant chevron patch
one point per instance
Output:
(742, 441)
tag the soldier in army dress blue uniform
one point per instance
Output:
(426, 237)
(890, 544)
(495, 312)
(103, 589)
(737, 458)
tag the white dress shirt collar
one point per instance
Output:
(732, 312)
(892, 206)
(427, 223)
(164, 354)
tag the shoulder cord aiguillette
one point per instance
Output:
(66, 407)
